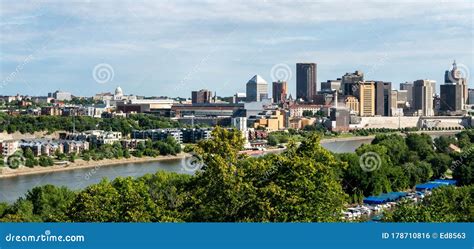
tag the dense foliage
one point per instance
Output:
(446, 204)
(30, 123)
(303, 183)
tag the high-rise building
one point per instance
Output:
(470, 97)
(408, 86)
(279, 91)
(454, 76)
(331, 86)
(423, 97)
(366, 95)
(306, 81)
(383, 91)
(349, 82)
(402, 99)
(257, 89)
(451, 98)
(201, 96)
(393, 102)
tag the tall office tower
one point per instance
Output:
(454, 76)
(366, 95)
(470, 98)
(257, 89)
(451, 98)
(349, 82)
(401, 99)
(306, 81)
(393, 102)
(423, 97)
(201, 96)
(279, 91)
(383, 91)
(408, 86)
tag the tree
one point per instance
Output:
(463, 167)
(299, 184)
(124, 199)
(98, 203)
(272, 140)
(446, 204)
(421, 144)
(396, 147)
(72, 158)
(439, 164)
(28, 153)
(442, 143)
(126, 153)
(50, 202)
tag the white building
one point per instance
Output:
(423, 92)
(9, 147)
(257, 89)
(61, 96)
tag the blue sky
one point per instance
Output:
(158, 48)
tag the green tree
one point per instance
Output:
(446, 204)
(440, 163)
(50, 202)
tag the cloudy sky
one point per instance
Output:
(158, 48)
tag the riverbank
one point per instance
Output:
(347, 139)
(6, 172)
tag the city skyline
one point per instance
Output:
(55, 46)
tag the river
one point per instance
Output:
(14, 187)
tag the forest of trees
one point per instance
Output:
(30, 123)
(304, 183)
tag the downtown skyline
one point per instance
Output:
(154, 52)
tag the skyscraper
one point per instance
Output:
(408, 86)
(257, 89)
(423, 97)
(201, 96)
(383, 98)
(454, 76)
(279, 91)
(331, 86)
(451, 98)
(470, 98)
(366, 94)
(306, 81)
(349, 81)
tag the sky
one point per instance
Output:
(169, 48)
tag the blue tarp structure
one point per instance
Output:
(434, 184)
(386, 197)
(448, 182)
(393, 196)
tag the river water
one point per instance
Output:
(15, 187)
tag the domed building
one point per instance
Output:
(118, 93)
